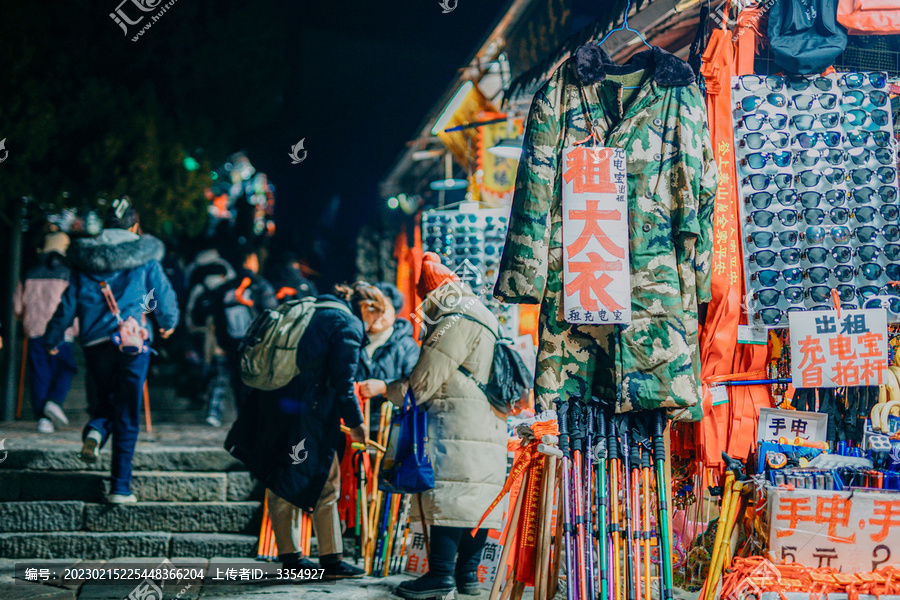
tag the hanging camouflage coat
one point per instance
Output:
(654, 361)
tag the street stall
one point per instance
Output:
(705, 247)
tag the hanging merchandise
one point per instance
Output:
(818, 178)
(469, 241)
(869, 17)
(804, 36)
(652, 110)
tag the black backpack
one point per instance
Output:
(509, 380)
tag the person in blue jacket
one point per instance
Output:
(129, 263)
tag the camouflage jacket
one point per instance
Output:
(671, 174)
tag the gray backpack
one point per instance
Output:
(269, 349)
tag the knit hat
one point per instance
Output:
(433, 275)
(56, 242)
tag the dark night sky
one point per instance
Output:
(355, 79)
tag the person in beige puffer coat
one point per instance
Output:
(466, 438)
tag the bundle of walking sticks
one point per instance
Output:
(385, 527)
(613, 522)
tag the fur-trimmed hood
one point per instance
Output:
(592, 64)
(115, 250)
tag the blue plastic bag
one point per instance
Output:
(406, 467)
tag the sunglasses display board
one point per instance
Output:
(817, 169)
(470, 242)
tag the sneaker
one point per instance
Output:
(341, 570)
(45, 426)
(427, 587)
(122, 499)
(90, 451)
(55, 412)
(213, 421)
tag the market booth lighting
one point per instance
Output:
(393, 203)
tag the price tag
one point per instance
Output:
(719, 394)
(748, 334)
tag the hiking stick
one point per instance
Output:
(405, 536)
(509, 584)
(402, 528)
(392, 534)
(262, 527)
(424, 525)
(369, 442)
(645, 532)
(612, 450)
(664, 526)
(511, 529)
(376, 494)
(586, 425)
(562, 413)
(576, 439)
(148, 423)
(599, 415)
(634, 451)
(631, 571)
(558, 536)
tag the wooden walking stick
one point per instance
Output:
(376, 494)
(510, 538)
(424, 525)
(542, 582)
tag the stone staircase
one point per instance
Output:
(193, 502)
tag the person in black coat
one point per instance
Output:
(290, 438)
(392, 351)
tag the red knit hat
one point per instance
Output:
(434, 274)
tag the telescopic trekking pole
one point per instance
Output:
(622, 432)
(562, 413)
(664, 526)
(599, 415)
(576, 440)
(640, 434)
(634, 459)
(612, 449)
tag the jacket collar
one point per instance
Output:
(593, 64)
(115, 250)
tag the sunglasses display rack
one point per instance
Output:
(470, 242)
(819, 211)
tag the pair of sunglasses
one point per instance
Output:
(843, 273)
(867, 234)
(810, 157)
(755, 122)
(764, 218)
(885, 193)
(764, 239)
(818, 256)
(828, 120)
(770, 297)
(866, 214)
(864, 176)
(751, 103)
(759, 159)
(766, 258)
(856, 98)
(815, 216)
(769, 277)
(817, 234)
(812, 199)
(755, 141)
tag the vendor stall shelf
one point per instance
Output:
(817, 169)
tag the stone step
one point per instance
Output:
(148, 486)
(147, 457)
(105, 546)
(176, 517)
